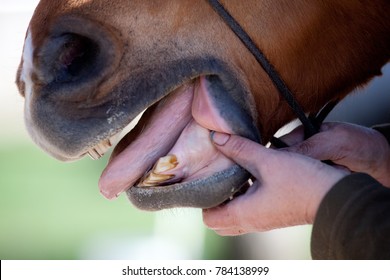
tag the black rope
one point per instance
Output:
(310, 128)
(316, 119)
(319, 118)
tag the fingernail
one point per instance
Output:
(219, 138)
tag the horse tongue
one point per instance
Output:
(153, 139)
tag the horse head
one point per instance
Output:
(91, 67)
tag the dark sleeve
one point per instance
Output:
(384, 129)
(353, 221)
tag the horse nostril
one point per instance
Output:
(76, 58)
(69, 58)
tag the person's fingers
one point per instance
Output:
(319, 146)
(231, 232)
(297, 136)
(220, 218)
(282, 195)
(232, 214)
(294, 137)
(237, 216)
(224, 220)
(244, 152)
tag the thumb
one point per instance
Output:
(244, 152)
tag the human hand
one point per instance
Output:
(358, 148)
(287, 191)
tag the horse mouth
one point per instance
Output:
(168, 159)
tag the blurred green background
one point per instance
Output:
(53, 210)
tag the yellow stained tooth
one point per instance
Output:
(153, 180)
(154, 177)
(165, 163)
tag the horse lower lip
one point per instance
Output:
(202, 193)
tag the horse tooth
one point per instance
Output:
(115, 138)
(100, 149)
(103, 146)
(94, 154)
(155, 176)
(153, 180)
(165, 163)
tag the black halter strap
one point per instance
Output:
(311, 125)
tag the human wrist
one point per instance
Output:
(326, 183)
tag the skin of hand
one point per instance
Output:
(287, 191)
(358, 148)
